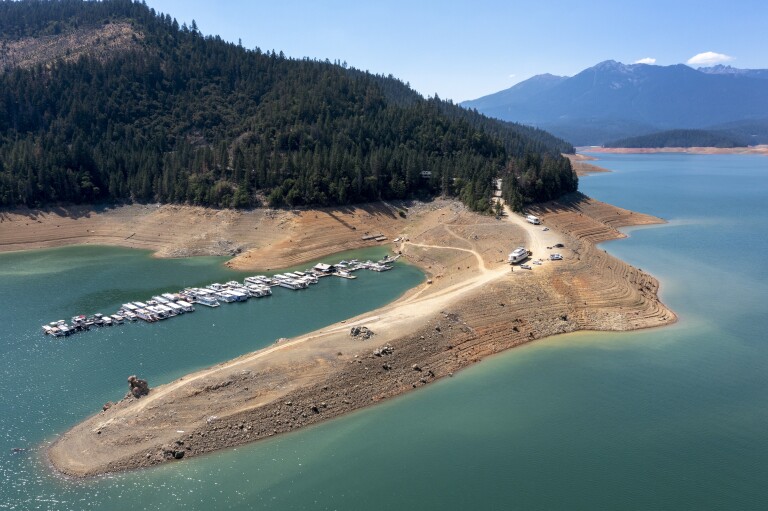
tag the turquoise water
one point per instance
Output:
(49, 384)
(665, 419)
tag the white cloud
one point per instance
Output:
(708, 58)
(512, 75)
(646, 60)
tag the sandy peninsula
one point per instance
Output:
(580, 163)
(472, 306)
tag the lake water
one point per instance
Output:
(672, 418)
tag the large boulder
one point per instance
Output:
(137, 387)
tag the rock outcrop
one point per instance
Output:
(137, 387)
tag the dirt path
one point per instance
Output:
(480, 261)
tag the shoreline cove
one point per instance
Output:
(473, 308)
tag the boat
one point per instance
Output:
(258, 290)
(307, 279)
(207, 300)
(54, 329)
(80, 323)
(525, 267)
(517, 255)
(225, 296)
(156, 312)
(146, 315)
(107, 320)
(261, 279)
(169, 312)
(129, 315)
(187, 295)
(258, 279)
(240, 294)
(188, 307)
(290, 283)
(175, 307)
(128, 307)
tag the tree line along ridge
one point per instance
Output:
(177, 117)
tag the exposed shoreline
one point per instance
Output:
(580, 164)
(758, 149)
(474, 307)
(258, 239)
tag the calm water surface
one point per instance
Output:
(673, 418)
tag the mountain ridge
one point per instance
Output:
(179, 117)
(612, 100)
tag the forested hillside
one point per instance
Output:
(160, 112)
(681, 138)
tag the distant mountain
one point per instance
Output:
(519, 94)
(681, 138)
(113, 101)
(728, 70)
(613, 100)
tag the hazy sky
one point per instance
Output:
(466, 49)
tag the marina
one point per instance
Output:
(167, 305)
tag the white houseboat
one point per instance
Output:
(517, 255)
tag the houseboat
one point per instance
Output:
(518, 255)
(188, 307)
